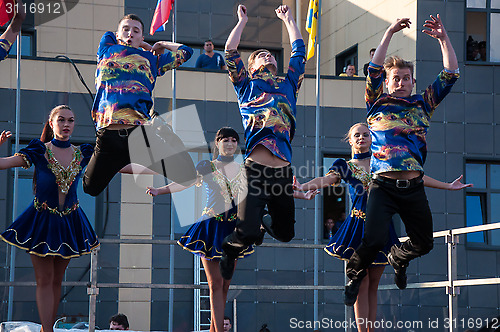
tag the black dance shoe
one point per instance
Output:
(400, 278)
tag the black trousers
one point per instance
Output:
(386, 199)
(267, 186)
(148, 146)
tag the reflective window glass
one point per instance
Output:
(495, 218)
(476, 3)
(495, 37)
(476, 174)
(475, 217)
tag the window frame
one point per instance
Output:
(485, 194)
(488, 10)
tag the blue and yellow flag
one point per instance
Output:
(312, 27)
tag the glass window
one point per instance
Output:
(495, 217)
(26, 46)
(476, 174)
(483, 200)
(495, 37)
(475, 217)
(336, 204)
(481, 33)
(495, 176)
(476, 3)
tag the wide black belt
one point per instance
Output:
(400, 184)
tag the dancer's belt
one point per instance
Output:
(401, 184)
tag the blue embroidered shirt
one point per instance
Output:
(399, 125)
(268, 103)
(125, 79)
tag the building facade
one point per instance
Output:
(463, 139)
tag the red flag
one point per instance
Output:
(7, 10)
(160, 17)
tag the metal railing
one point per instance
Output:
(452, 284)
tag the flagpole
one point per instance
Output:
(16, 177)
(317, 162)
(172, 212)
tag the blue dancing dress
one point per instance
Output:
(43, 229)
(204, 238)
(348, 238)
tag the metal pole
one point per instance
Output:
(16, 177)
(172, 213)
(92, 290)
(298, 13)
(235, 317)
(197, 304)
(451, 290)
(317, 162)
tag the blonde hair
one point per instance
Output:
(397, 62)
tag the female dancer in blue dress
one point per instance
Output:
(224, 182)
(222, 178)
(53, 229)
(355, 172)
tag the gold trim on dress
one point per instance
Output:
(65, 175)
(44, 206)
(219, 217)
(229, 188)
(203, 253)
(355, 213)
(360, 174)
(51, 252)
(353, 250)
(24, 158)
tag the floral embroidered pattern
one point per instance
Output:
(355, 213)
(65, 176)
(25, 160)
(43, 206)
(219, 217)
(229, 188)
(360, 174)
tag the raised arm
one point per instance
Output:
(455, 185)
(168, 189)
(381, 52)
(15, 25)
(9, 162)
(159, 47)
(285, 14)
(436, 30)
(317, 183)
(234, 37)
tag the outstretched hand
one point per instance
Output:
(458, 185)
(400, 24)
(435, 28)
(242, 13)
(4, 136)
(310, 194)
(283, 12)
(152, 191)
